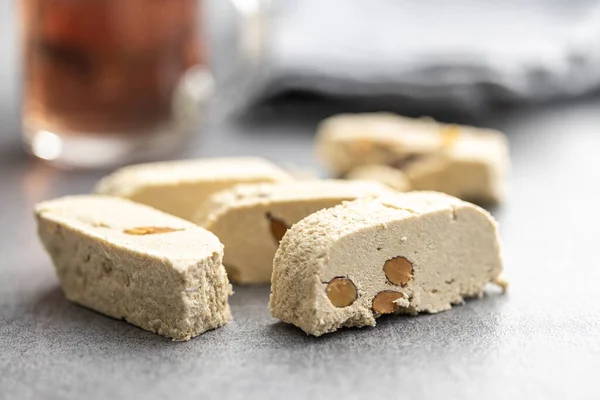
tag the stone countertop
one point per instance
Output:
(540, 340)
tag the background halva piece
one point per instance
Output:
(390, 176)
(473, 168)
(467, 162)
(405, 253)
(346, 141)
(179, 187)
(250, 220)
(133, 262)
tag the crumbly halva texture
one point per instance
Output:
(390, 176)
(250, 220)
(405, 253)
(463, 161)
(179, 187)
(473, 169)
(132, 262)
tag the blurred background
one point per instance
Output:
(102, 83)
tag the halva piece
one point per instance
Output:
(390, 176)
(132, 262)
(467, 162)
(405, 253)
(346, 141)
(179, 187)
(250, 220)
(473, 169)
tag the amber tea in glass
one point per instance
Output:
(101, 77)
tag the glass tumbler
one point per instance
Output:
(106, 82)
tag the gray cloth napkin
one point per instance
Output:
(460, 51)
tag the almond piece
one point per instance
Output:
(361, 146)
(149, 230)
(450, 135)
(404, 161)
(341, 292)
(278, 227)
(383, 302)
(398, 270)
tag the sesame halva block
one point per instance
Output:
(180, 187)
(404, 253)
(250, 220)
(132, 262)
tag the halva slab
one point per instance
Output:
(404, 253)
(250, 220)
(467, 162)
(179, 187)
(390, 176)
(132, 262)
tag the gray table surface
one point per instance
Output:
(541, 340)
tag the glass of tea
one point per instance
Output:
(106, 81)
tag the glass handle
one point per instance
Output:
(253, 16)
(238, 51)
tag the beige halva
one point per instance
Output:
(132, 262)
(403, 253)
(250, 220)
(467, 162)
(390, 176)
(179, 187)
(379, 252)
